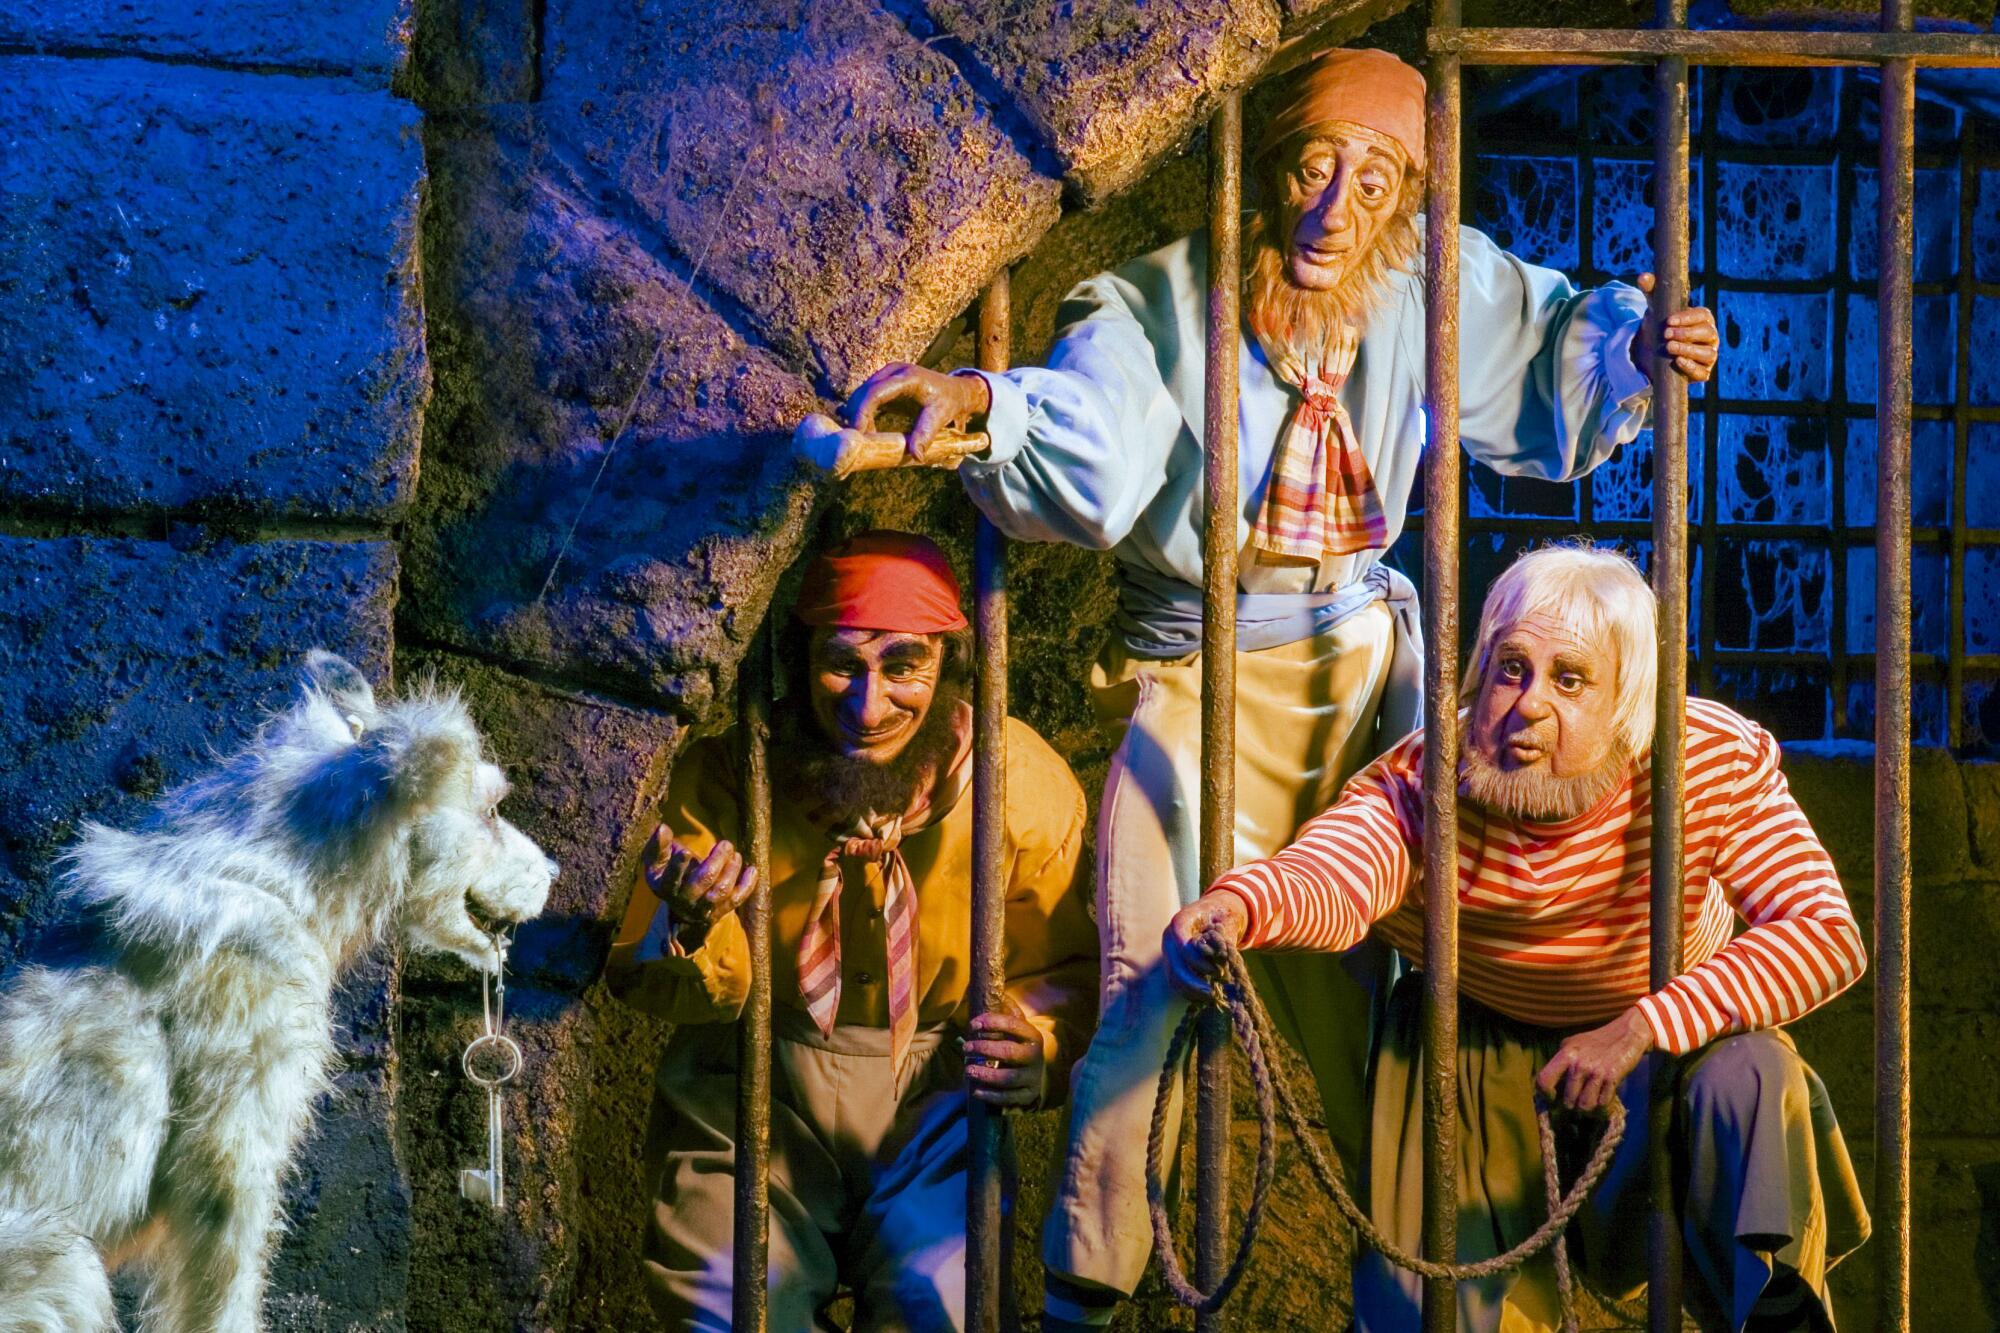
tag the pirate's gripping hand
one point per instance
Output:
(1005, 1061)
(949, 410)
(1690, 338)
(698, 891)
(1197, 939)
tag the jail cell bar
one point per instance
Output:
(748, 1295)
(986, 1278)
(1218, 668)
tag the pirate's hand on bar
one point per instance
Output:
(1691, 336)
(1195, 939)
(1006, 1059)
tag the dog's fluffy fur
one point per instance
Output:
(149, 1105)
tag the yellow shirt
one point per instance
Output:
(1051, 941)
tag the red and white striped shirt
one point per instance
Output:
(1553, 918)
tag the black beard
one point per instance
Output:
(811, 772)
(1540, 798)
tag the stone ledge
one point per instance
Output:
(367, 39)
(836, 177)
(208, 293)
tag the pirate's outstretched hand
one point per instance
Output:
(698, 891)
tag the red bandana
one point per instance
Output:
(894, 581)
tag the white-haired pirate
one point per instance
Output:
(1102, 448)
(871, 873)
(1554, 841)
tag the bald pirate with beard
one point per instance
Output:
(1102, 448)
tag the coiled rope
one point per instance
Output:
(1234, 993)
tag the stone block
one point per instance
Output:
(1113, 86)
(131, 662)
(366, 39)
(585, 774)
(838, 178)
(344, 1260)
(613, 1192)
(208, 292)
(609, 494)
(1834, 783)
(1955, 1071)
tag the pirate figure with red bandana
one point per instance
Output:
(871, 873)
(1103, 448)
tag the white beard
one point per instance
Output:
(1535, 794)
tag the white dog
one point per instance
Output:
(149, 1105)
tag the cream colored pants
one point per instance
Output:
(1305, 720)
(867, 1188)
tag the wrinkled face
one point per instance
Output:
(472, 872)
(1548, 703)
(1336, 192)
(871, 689)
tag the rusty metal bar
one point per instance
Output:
(1441, 508)
(1895, 237)
(751, 1253)
(987, 1127)
(1220, 517)
(1670, 585)
(1591, 46)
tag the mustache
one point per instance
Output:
(1538, 737)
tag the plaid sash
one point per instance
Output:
(1321, 500)
(877, 839)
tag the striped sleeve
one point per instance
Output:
(1348, 868)
(1802, 946)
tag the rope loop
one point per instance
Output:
(1252, 1026)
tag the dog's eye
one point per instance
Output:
(492, 814)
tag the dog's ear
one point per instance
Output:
(342, 685)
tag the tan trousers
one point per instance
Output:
(867, 1189)
(1304, 722)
